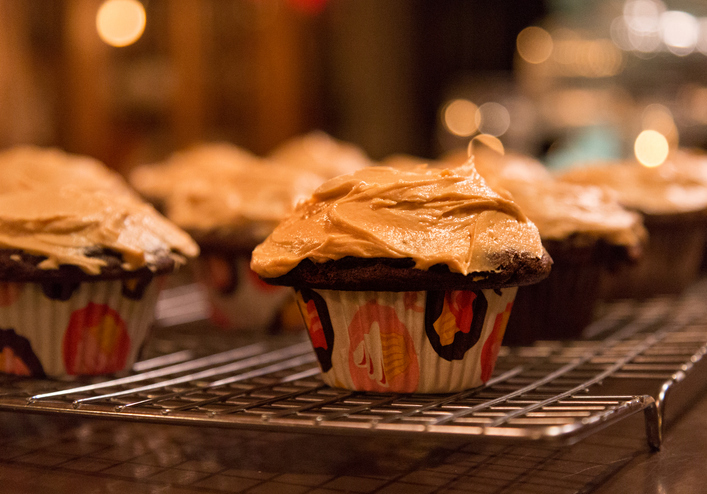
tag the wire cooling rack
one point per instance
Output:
(638, 355)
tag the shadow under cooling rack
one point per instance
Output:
(642, 353)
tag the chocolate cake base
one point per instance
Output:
(19, 266)
(400, 275)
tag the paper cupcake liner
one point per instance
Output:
(60, 330)
(406, 342)
(239, 299)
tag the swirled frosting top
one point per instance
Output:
(432, 215)
(68, 207)
(665, 189)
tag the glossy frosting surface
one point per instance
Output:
(432, 215)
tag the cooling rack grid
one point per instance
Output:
(639, 355)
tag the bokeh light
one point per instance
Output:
(643, 16)
(679, 31)
(459, 117)
(493, 118)
(121, 22)
(534, 44)
(702, 35)
(651, 148)
(586, 57)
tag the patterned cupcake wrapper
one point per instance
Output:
(406, 342)
(89, 328)
(239, 299)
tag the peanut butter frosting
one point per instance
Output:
(434, 216)
(560, 209)
(254, 199)
(204, 162)
(68, 223)
(318, 152)
(660, 190)
(221, 187)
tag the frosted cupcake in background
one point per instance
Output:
(229, 200)
(673, 204)
(405, 277)
(79, 258)
(584, 229)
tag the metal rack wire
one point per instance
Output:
(549, 391)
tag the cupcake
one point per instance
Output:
(78, 266)
(585, 230)
(228, 200)
(673, 205)
(405, 277)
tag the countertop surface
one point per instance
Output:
(51, 454)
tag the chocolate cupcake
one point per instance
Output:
(673, 205)
(585, 230)
(405, 277)
(228, 200)
(78, 265)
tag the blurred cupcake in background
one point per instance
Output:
(672, 199)
(229, 200)
(584, 229)
(80, 255)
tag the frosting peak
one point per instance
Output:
(434, 216)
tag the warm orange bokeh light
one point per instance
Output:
(121, 22)
(534, 44)
(493, 118)
(459, 117)
(651, 148)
